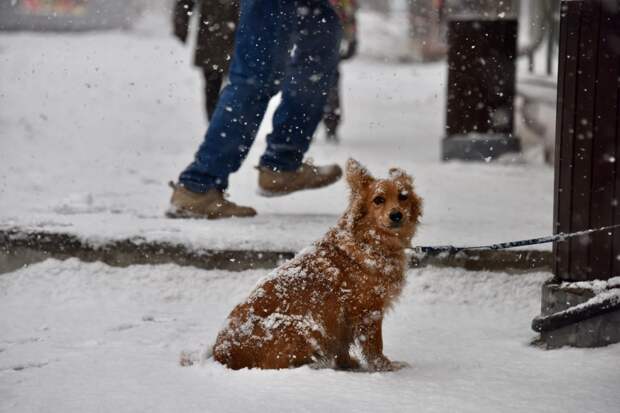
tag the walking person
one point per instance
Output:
(281, 45)
(215, 39)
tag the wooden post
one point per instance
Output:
(587, 182)
(587, 169)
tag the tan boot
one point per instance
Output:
(272, 183)
(210, 205)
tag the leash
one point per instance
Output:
(451, 250)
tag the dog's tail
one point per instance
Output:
(190, 357)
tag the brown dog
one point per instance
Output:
(331, 297)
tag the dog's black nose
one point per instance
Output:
(396, 216)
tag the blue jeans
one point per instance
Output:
(281, 45)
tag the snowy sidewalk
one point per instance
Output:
(78, 337)
(94, 125)
(463, 205)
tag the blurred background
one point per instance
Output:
(100, 106)
(391, 31)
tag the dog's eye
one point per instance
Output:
(403, 196)
(378, 200)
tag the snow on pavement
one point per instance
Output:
(93, 126)
(86, 337)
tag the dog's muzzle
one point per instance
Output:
(396, 216)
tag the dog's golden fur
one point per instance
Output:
(315, 307)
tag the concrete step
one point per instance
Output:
(19, 248)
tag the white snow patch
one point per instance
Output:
(464, 334)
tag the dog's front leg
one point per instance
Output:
(370, 339)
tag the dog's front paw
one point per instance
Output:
(399, 365)
(381, 363)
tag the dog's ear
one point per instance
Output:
(359, 179)
(358, 176)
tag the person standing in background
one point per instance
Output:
(332, 114)
(426, 27)
(215, 40)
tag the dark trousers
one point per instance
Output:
(332, 113)
(262, 66)
(213, 85)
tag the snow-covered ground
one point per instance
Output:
(77, 337)
(93, 126)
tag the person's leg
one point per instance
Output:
(262, 45)
(305, 88)
(213, 85)
(332, 113)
